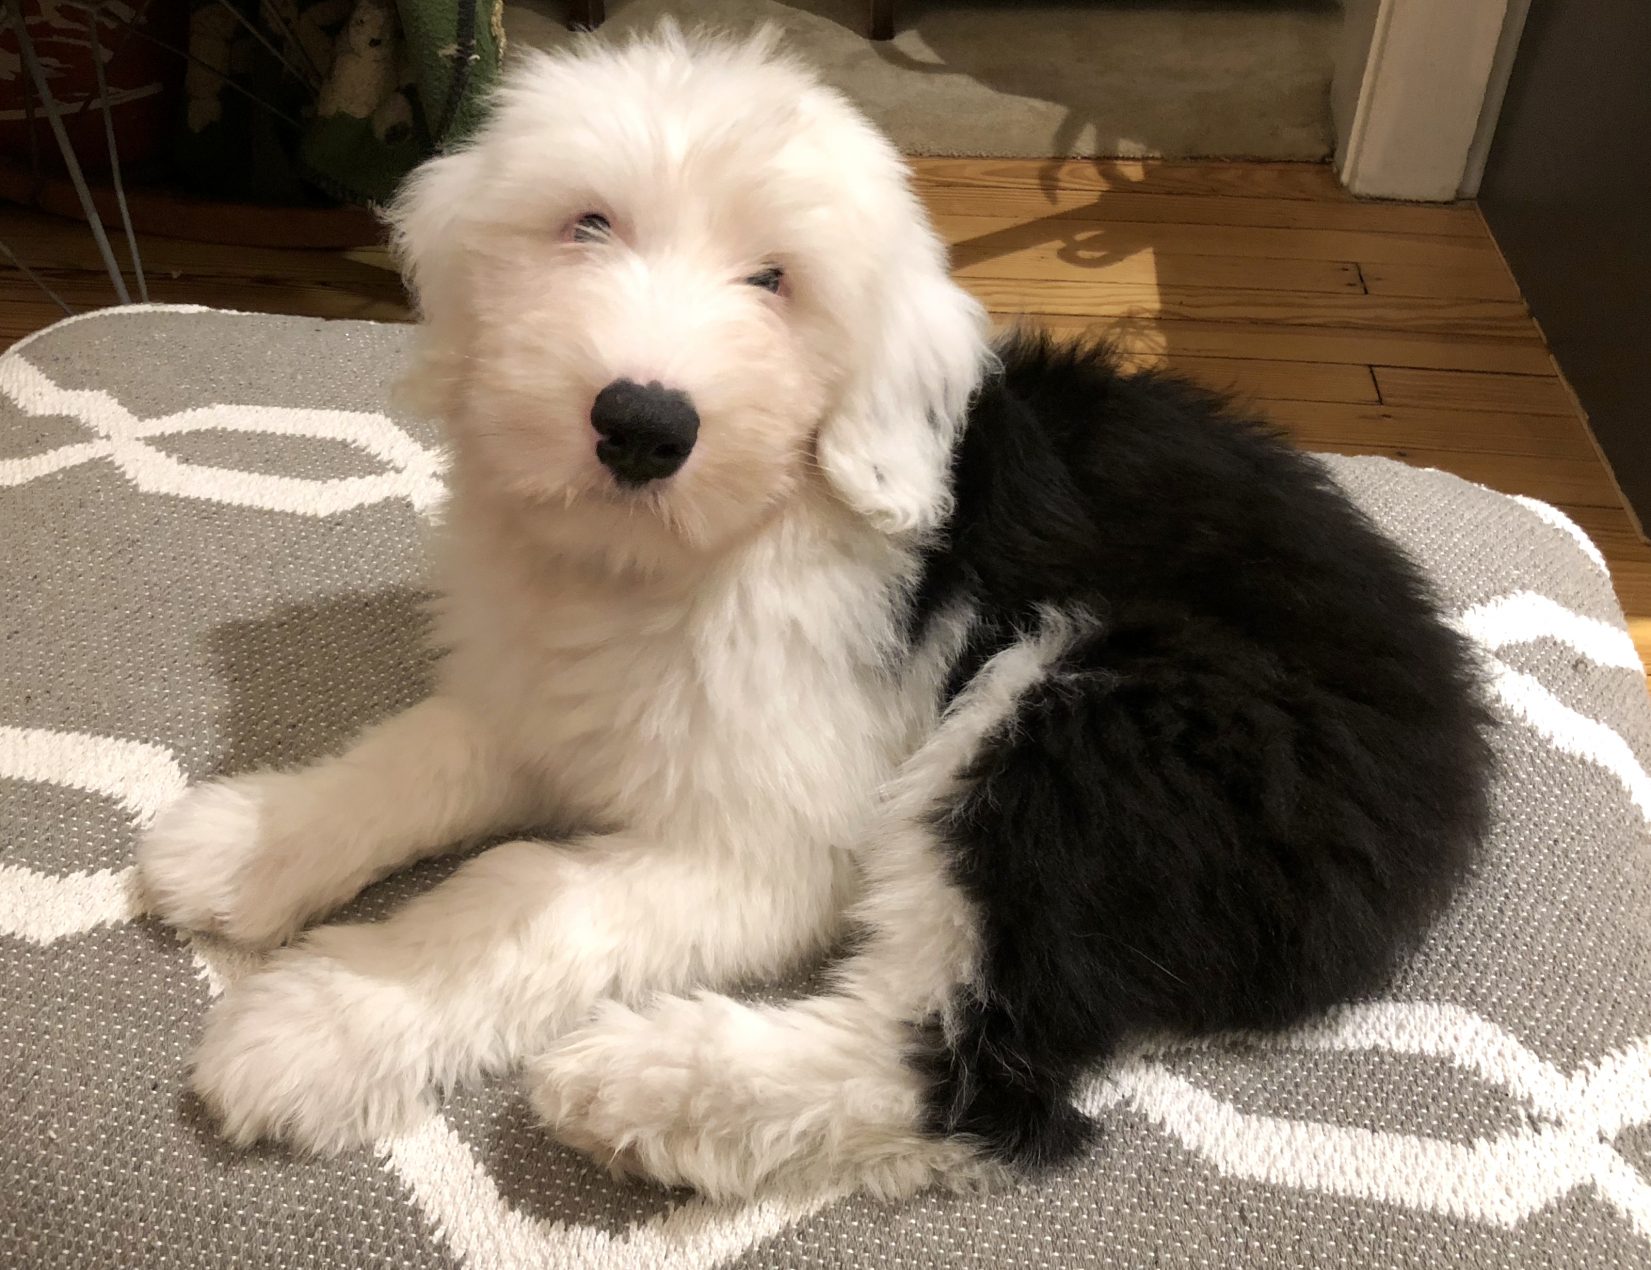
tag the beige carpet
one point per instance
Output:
(1178, 78)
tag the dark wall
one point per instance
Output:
(1567, 192)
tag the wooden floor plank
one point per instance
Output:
(1305, 344)
(45, 243)
(1432, 428)
(1465, 390)
(965, 198)
(1009, 258)
(22, 315)
(1485, 279)
(1237, 180)
(261, 293)
(1500, 319)
(1260, 378)
(1103, 240)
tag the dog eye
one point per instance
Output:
(592, 227)
(768, 279)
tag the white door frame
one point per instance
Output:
(1417, 90)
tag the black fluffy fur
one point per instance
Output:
(1237, 802)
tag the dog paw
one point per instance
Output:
(736, 1102)
(594, 1095)
(304, 1052)
(636, 1093)
(216, 861)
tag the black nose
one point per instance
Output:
(646, 432)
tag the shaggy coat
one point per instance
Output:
(780, 610)
(1244, 786)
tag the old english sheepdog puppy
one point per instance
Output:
(782, 607)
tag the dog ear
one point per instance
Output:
(427, 230)
(887, 449)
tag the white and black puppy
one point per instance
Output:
(1084, 705)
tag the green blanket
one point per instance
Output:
(289, 101)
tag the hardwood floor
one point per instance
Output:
(1360, 328)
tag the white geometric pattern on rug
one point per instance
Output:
(143, 778)
(1523, 616)
(460, 1199)
(1498, 1181)
(1570, 732)
(412, 471)
(1551, 515)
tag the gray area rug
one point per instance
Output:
(211, 561)
(1237, 79)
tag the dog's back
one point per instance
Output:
(1239, 795)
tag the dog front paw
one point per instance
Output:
(640, 1095)
(734, 1102)
(587, 1088)
(306, 1053)
(217, 861)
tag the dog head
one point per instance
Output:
(669, 284)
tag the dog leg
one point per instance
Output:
(346, 1036)
(254, 857)
(729, 1098)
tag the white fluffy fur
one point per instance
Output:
(728, 1097)
(704, 682)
